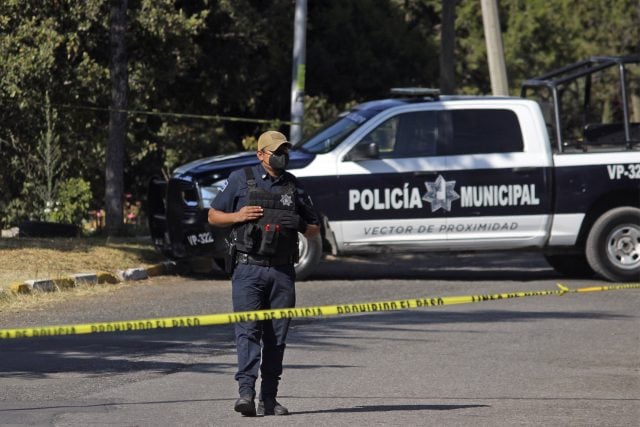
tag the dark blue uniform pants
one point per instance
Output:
(260, 288)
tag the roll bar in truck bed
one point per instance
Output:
(559, 78)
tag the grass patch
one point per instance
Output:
(18, 303)
(38, 258)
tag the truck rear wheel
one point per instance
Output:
(570, 265)
(613, 245)
(310, 255)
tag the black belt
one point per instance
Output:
(264, 261)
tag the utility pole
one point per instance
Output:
(495, 51)
(297, 81)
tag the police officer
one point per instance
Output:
(266, 208)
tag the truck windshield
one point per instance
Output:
(333, 133)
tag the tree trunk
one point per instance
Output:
(114, 172)
(447, 47)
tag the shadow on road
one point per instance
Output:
(118, 352)
(355, 409)
(390, 408)
(521, 266)
(476, 266)
(346, 332)
(152, 350)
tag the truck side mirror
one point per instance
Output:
(363, 151)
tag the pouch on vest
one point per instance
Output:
(270, 236)
(251, 236)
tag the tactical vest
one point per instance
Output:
(265, 236)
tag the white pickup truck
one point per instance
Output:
(424, 172)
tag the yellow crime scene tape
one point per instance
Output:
(288, 313)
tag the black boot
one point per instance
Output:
(270, 406)
(246, 406)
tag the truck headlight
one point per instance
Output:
(210, 191)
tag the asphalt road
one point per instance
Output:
(553, 361)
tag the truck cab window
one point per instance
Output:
(406, 135)
(481, 131)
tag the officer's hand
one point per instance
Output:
(293, 221)
(249, 213)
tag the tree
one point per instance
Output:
(62, 48)
(46, 50)
(49, 159)
(541, 35)
(114, 172)
(233, 58)
(356, 51)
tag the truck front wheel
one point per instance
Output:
(613, 245)
(310, 255)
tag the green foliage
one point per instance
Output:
(359, 50)
(48, 159)
(14, 212)
(233, 58)
(45, 47)
(72, 201)
(250, 143)
(318, 111)
(40, 166)
(541, 35)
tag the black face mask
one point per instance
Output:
(279, 161)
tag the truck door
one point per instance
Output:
(496, 162)
(381, 184)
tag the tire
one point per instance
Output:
(183, 267)
(310, 255)
(570, 265)
(613, 245)
(197, 265)
(219, 262)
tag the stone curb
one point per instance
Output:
(96, 278)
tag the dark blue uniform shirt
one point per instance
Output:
(234, 195)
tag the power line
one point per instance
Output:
(176, 115)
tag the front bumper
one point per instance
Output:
(178, 221)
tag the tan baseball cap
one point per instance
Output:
(271, 140)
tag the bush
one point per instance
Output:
(14, 212)
(73, 199)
